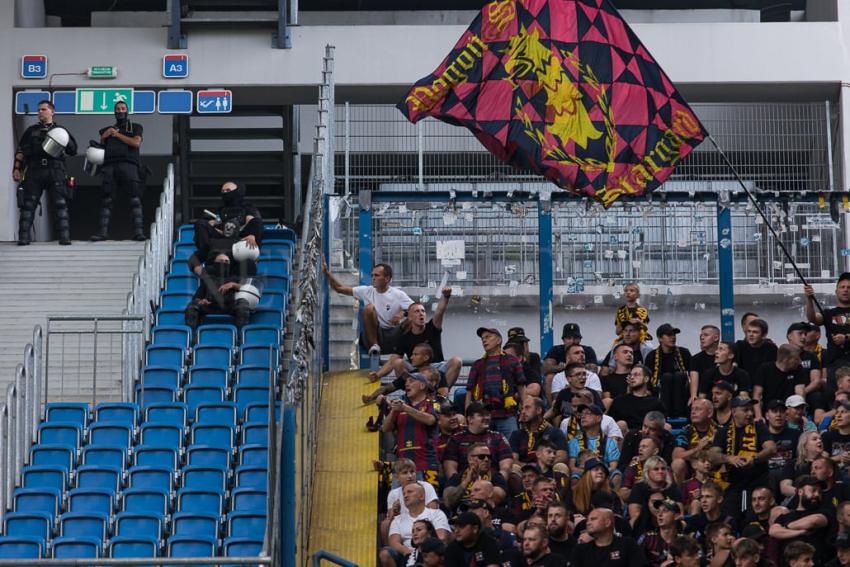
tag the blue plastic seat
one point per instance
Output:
(36, 525)
(219, 319)
(186, 233)
(155, 395)
(76, 547)
(213, 435)
(117, 412)
(172, 413)
(195, 523)
(162, 457)
(261, 335)
(121, 547)
(200, 500)
(60, 456)
(224, 413)
(278, 233)
(243, 546)
(97, 500)
(246, 524)
(67, 434)
(157, 376)
(215, 377)
(255, 433)
(84, 524)
(146, 501)
(44, 500)
(154, 478)
(249, 499)
(207, 456)
(134, 524)
(165, 356)
(55, 478)
(254, 376)
(111, 434)
(252, 476)
(212, 356)
(174, 335)
(191, 546)
(183, 283)
(217, 335)
(268, 356)
(255, 455)
(13, 547)
(197, 395)
(265, 316)
(276, 283)
(111, 457)
(259, 412)
(183, 251)
(170, 316)
(179, 268)
(68, 412)
(200, 476)
(161, 435)
(99, 476)
(174, 301)
(245, 395)
(278, 267)
(272, 300)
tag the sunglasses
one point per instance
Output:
(481, 457)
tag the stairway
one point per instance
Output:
(46, 279)
(343, 321)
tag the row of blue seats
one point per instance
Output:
(260, 316)
(211, 356)
(179, 300)
(223, 337)
(274, 251)
(188, 283)
(244, 375)
(271, 232)
(196, 396)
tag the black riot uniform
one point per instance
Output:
(43, 171)
(122, 169)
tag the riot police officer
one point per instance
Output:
(121, 168)
(40, 165)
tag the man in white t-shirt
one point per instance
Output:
(575, 353)
(384, 308)
(401, 529)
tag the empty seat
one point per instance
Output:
(179, 268)
(146, 501)
(13, 547)
(68, 434)
(213, 435)
(205, 455)
(246, 524)
(183, 283)
(204, 501)
(113, 457)
(217, 335)
(157, 376)
(243, 546)
(156, 478)
(174, 301)
(251, 375)
(44, 477)
(186, 233)
(73, 412)
(272, 300)
(276, 283)
(244, 395)
(259, 412)
(268, 356)
(182, 251)
(197, 395)
(201, 476)
(264, 316)
(111, 435)
(195, 523)
(61, 456)
(257, 455)
(162, 457)
(170, 317)
(165, 356)
(133, 546)
(76, 548)
(173, 335)
(29, 525)
(191, 546)
(249, 499)
(252, 476)
(212, 356)
(135, 524)
(172, 413)
(276, 266)
(97, 500)
(43, 500)
(278, 234)
(155, 395)
(256, 433)
(161, 435)
(224, 413)
(99, 476)
(261, 335)
(84, 524)
(117, 412)
(215, 377)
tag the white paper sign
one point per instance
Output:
(450, 249)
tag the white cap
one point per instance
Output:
(795, 401)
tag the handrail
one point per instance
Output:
(328, 556)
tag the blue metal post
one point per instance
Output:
(366, 255)
(326, 302)
(725, 272)
(544, 240)
(289, 534)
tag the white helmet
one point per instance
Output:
(241, 252)
(249, 293)
(93, 161)
(55, 141)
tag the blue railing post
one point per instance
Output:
(544, 241)
(326, 302)
(725, 272)
(288, 526)
(365, 255)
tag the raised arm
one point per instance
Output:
(334, 283)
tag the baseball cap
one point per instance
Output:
(474, 504)
(476, 407)
(753, 531)
(740, 402)
(594, 409)
(666, 329)
(592, 463)
(531, 467)
(515, 344)
(799, 326)
(432, 545)
(468, 519)
(724, 385)
(517, 335)
(571, 330)
(808, 480)
(668, 503)
(775, 404)
(419, 377)
(447, 409)
(795, 401)
(482, 330)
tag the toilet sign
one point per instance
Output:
(175, 66)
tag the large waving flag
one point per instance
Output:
(566, 89)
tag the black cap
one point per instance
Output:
(481, 330)
(666, 329)
(724, 385)
(594, 409)
(476, 407)
(741, 402)
(474, 504)
(842, 541)
(602, 499)
(753, 531)
(513, 343)
(571, 330)
(668, 503)
(432, 545)
(447, 409)
(531, 467)
(592, 463)
(517, 335)
(468, 519)
(808, 480)
(775, 404)
(801, 326)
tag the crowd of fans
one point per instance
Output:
(651, 455)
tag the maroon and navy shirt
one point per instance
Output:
(485, 382)
(414, 440)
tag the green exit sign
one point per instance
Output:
(102, 101)
(102, 72)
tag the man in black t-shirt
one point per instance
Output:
(779, 379)
(615, 383)
(472, 547)
(836, 321)
(559, 522)
(669, 365)
(121, 170)
(632, 407)
(809, 522)
(836, 442)
(756, 348)
(786, 442)
(816, 397)
(726, 371)
(555, 359)
(607, 548)
(535, 549)
(703, 361)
